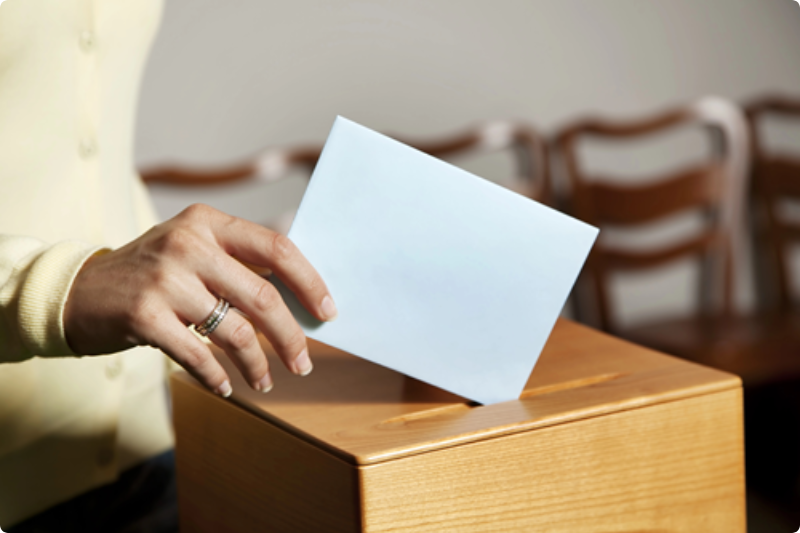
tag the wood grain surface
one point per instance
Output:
(237, 473)
(365, 413)
(607, 437)
(677, 467)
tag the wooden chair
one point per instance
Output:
(226, 187)
(715, 334)
(775, 178)
(527, 148)
(270, 165)
(773, 413)
(524, 145)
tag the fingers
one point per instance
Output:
(188, 351)
(147, 291)
(265, 306)
(236, 336)
(255, 244)
(224, 243)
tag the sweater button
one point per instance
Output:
(87, 41)
(87, 148)
(114, 369)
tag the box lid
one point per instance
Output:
(367, 414)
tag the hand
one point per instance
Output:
(150, 290)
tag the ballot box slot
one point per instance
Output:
(453, 409)
(574, 384)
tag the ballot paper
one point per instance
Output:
(436, 273)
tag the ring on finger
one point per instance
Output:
(213, 320)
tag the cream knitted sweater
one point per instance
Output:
(69, 76)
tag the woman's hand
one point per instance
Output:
(150, 290)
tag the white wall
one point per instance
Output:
(228, 77)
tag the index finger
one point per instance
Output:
(262, 247)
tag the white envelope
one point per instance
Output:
(436, 273)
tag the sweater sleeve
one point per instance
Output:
(35, 280)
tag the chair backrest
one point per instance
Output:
(715, 187)
(237, 188)
(270, 165)
(775, 179)
(527, 147)
(523, 144)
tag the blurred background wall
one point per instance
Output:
(227, 78)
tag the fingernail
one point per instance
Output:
(265, 385)
(329, 308)
(225, 389)
(302, 364)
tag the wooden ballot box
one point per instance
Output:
(607, 437)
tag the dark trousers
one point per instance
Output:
(142, 500)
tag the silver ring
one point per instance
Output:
(214, 319)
